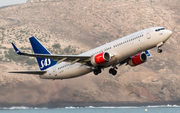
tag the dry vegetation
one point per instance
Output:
(85, 24)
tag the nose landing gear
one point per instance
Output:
(159, 50)
(159, 45)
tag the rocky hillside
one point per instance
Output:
(75, 26)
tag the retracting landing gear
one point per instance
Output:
(113, 71)
(159, 50)
(159, 45)
(97, 71)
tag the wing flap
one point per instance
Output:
(29, 72)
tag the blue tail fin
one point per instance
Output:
(38, 48)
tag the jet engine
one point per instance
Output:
(100, 58)
(137, 59)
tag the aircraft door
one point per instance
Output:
(54, 71)
(148, 34)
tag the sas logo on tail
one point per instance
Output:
(45, 63)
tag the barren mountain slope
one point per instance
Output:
(85, 24)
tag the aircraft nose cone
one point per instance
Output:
(169, 33)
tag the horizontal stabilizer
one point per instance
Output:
(30, 72)
(16, 49)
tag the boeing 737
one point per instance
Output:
(131, 50)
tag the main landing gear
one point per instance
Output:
(97, 71)
(113, 71)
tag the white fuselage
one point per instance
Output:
(119, 50)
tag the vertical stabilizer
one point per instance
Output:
(38, 48)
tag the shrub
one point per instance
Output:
(1, 58)
(11, 55)
(30, 61)
(22, 31)
(56, 46)
(74, 50)
(67, 49)
(2, 28)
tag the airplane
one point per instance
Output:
(131, 50)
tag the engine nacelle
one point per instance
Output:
(100, 58)
(137, 59)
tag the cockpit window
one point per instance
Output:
(160, 29)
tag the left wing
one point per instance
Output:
(60, 58)
(30, 72)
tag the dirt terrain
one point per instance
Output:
(86, 24)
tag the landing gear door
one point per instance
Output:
(148, 34)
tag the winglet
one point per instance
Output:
(16, 49)
(148, 53)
